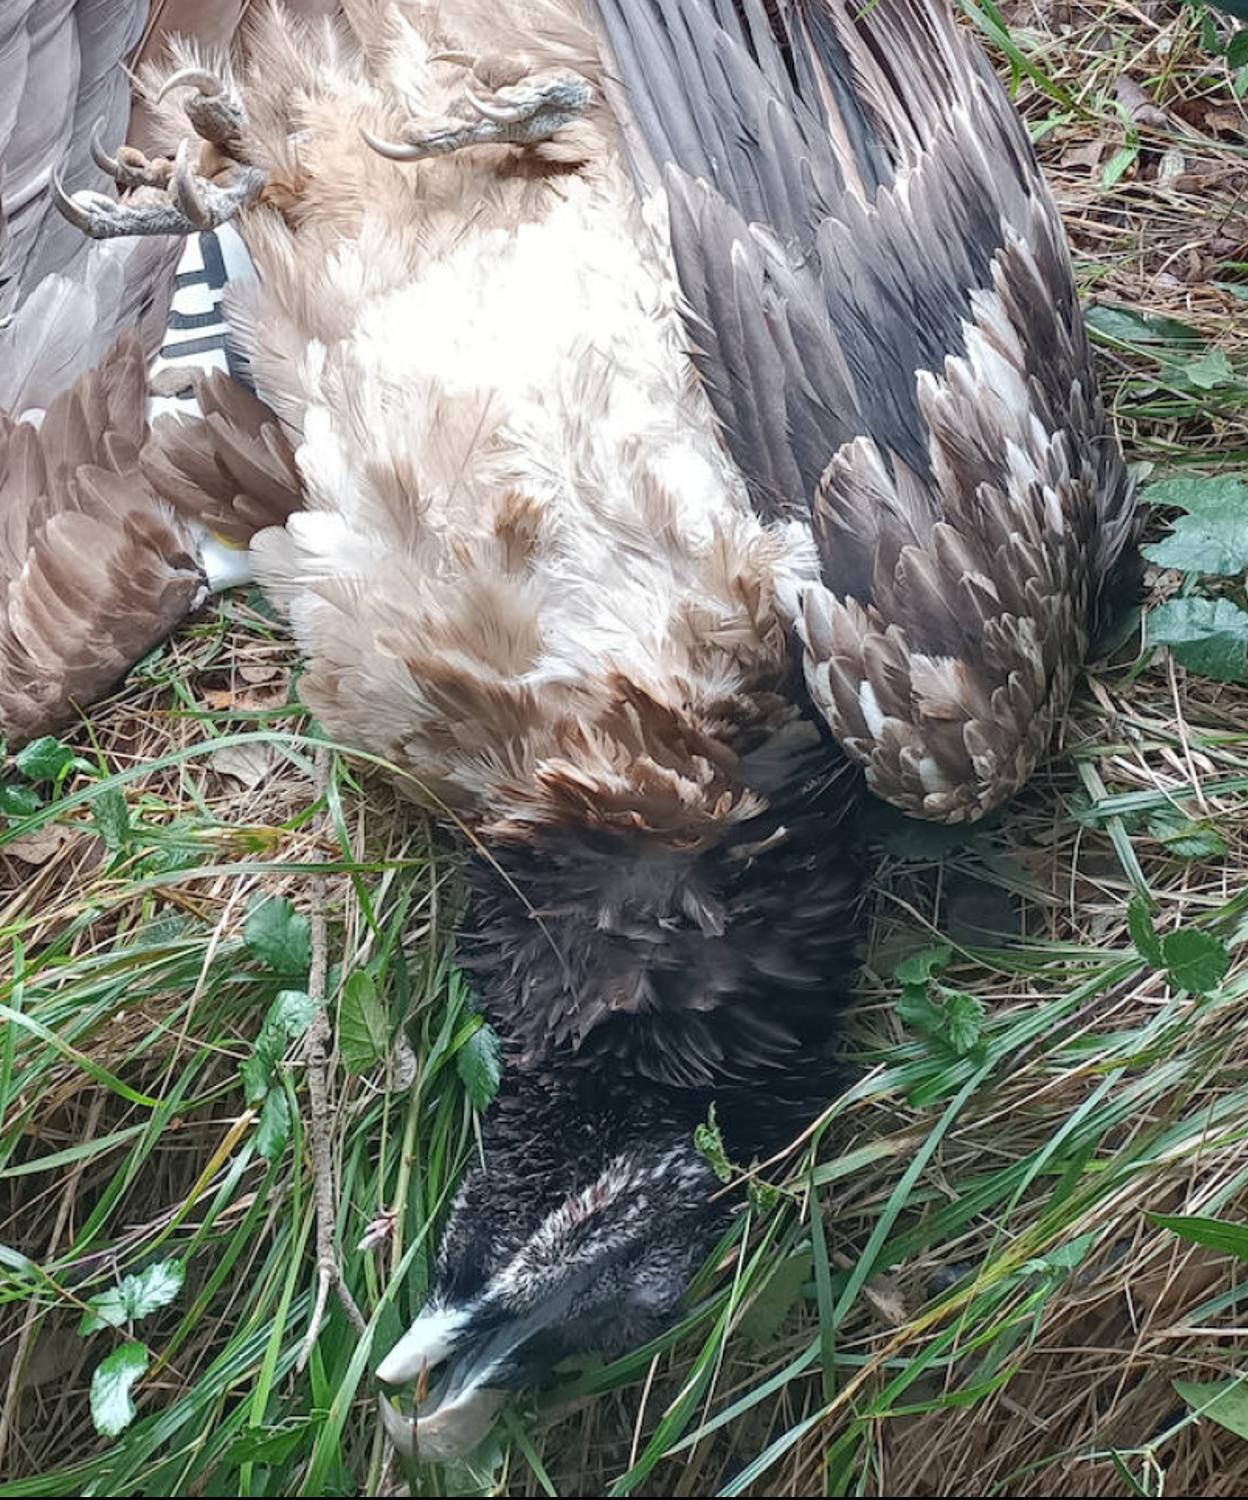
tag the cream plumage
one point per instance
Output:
(575, 460)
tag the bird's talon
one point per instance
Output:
(519, 114)
(99, 155)
(184, 191)
(207, 83)
(214, 109)
(500, 114)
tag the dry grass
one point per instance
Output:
(1001, 1314)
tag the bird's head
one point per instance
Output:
(579, 1234)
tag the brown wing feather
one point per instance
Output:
(885, 315)
(233, 469)
(94, 570)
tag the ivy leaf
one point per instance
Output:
(363, 1030)
(18, 801)
(279, 937)
(964, 1020)
(479, 1065)
(1194, 961)
(43, 759)
(1143, 933)
(111, 817)
(112, 1409)
(1210, 636)
(1212, 537)
(273, 1131)
(134, 1296)
(1185, 838)
(920, 967)
(1222, 1401)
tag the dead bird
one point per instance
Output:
(574, 460)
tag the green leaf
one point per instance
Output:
(1143, 933)
(920, 967)
(1211, 1232)
(1222, 1401)
(964, 1020)
(1185, 838)
(1195, 961)
(765, 1316)
(1237, 47)
(363, 1030)
(273, 1131)
(111, 817)
(134, 1296)
(479, 1065)
(1212, 537)
(43, 759)
(112, 1409)
(256, 1072)
(1127, 327)
(917, 1012)
(272, 1445)
(279, 937)
(1210, 370)
(708, 1141)
(291, 1013)
(1063, 1259)
(1209, 636)
(18, 801)
(1117, 164)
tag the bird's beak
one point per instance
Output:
(447, 1433)
(466, 1395)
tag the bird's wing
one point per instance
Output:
(884, 313)
(94, 566)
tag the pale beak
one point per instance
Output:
(470, 1388)
(447, 1433)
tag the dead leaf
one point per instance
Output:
(249, 764)
(1088, 154)
(39, 847)
(1138, 105)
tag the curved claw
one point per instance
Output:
(499, 114)
(184, 190)
(75, 208)
(99, 155)
(393, 150)
(207, 83)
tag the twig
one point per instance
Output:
(319, 1130)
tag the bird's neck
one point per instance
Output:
(622, 960)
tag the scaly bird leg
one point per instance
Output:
(168, 197)
(518, 114)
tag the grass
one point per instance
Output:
(962, 1286)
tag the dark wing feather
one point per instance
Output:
(883, 310)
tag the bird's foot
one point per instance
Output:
(524, 113)
(214, 109)
(172, 197)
